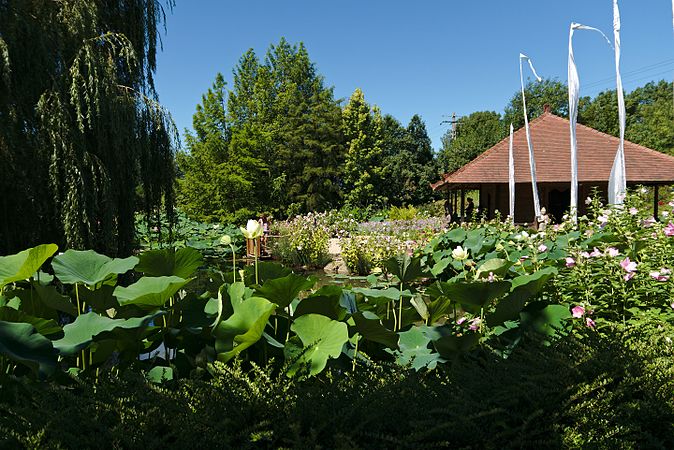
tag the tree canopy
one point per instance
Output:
(81, 132)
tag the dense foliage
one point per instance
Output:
(649, 119)
(278, 142)
(81, 131)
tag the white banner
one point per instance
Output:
(511, 177)
(574, 92)
(532, 162)
(617, 183)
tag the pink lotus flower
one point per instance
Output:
(589, 322)
(542, 248)
(612, 252)
(578, 311)
(570, 262)
(669, 229)
(475, 324)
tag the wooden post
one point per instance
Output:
(463, 205)
(655, 202)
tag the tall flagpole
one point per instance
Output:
(511, 177)
(617, 182)
(532, 162)
(574, 91)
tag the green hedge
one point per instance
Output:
(583, 392)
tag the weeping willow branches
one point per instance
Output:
(86, 140)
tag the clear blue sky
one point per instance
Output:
(424, 57)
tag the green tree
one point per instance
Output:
(214, 186)
(80, 127)
(408, 164)
(538, 94)
(474, 134)
(363, 131)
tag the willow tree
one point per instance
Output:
(84, 143)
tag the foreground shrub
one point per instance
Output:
(594, 392)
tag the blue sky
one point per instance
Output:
(426, 57)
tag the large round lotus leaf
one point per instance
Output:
(21, 343)
(23, 265)
(87, 327)
(88, 267)
(413, 350)
(165, 262)
(150, 292)
(322, 337)
(243, 328)
(283, 291)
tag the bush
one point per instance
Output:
(302, 241)
(594, 392)
(402, 213)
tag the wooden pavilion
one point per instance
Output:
(488, 173)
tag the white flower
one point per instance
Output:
(253, 229)
(459, 253)
(226, 240)
(588, 201)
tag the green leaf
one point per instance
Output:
(389, 293)
(51, 298)
(420, 305)
(457, 235)
(159, 374)
(414, 351)
(283, 291)
(404, 267)
(523, 288)
(266, 271)
(244, 328)
(322, 338)
(496, 266)
(450, 346)
(21, 343)
(169, 261)
(370, 327)
(547, 320)
(440, 266)
(475, 295)
(326, 301)
(150, 292)
(87, 327)
(440, 308)
(23, 265)
(90, 268)
(43, 326)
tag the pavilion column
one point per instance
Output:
(655, 202)
(463, 205)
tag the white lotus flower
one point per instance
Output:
(226, 240)
(253, 229)
(459, 253)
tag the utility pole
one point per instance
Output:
(453, 122)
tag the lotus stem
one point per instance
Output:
(233, 263)
(355, 355)
(77, 297)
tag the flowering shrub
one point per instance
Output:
(302, 241)
(365, 252)
(622, 268)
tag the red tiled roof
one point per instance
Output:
(550, 139)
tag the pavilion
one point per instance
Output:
(488, 173)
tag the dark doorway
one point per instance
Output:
(558, 203)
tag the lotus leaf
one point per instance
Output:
(90, 268)
(23, 265)
(322, 338)
(149, 292)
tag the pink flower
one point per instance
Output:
(612, 252)
(669, 229)
(648, 222)
(589, 322)
(570, 262)
(672, 305)
(633, 211)
(595, 253)
(542, 248)
(585, 254)
(491, 277)
(603, 220)
(460, 321)
(578, 311)
(628, 276)
(629, 266)
(659, 276)
(475, 324)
